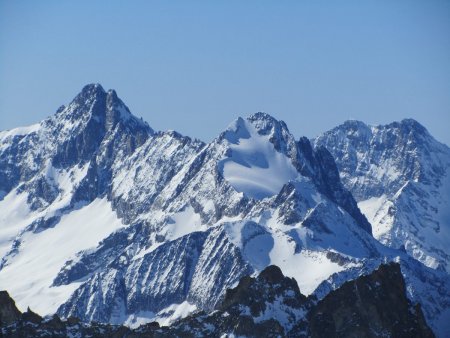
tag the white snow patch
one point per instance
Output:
(174, 312)
(66, 181)
(165, 317)
(15, 215)
(376, 210)
(19, 131)
(309, 268)
(183, 223)
(253, 240)
(254, 167)
(385, 171)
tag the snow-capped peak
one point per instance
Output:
(399, 174)
(253, 166)
(172, 220)
(266, 123)
(93, 103)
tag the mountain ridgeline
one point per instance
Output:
(106, 220)
(400, 176)
(269, 305)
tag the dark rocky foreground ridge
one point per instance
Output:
(371, 306)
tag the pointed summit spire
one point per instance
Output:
(92, 116)
(90, 92)
(105, 108)
(92, 87)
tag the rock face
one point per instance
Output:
(14, 324)
(269, 298)
(95, 128)
(8, 310)
(107, 220)
(168, 275)
(400, 176)
(370, 306)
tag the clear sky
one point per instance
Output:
(194, 66)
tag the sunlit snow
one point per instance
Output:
(15, 215)
(29, 275)
(19, 131)
(254, 166)
(183, 223)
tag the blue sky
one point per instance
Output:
(194, 66)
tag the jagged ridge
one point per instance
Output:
(145, 197)
(370, 306)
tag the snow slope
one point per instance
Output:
(30, 273)
(253, 166)
(14, 217)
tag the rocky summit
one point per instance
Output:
(106, 220)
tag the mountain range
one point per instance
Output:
(105, 219)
